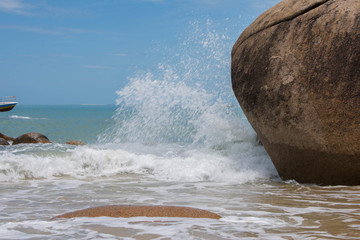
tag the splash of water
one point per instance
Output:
(177, 122)
(187, 100)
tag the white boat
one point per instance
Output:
(7, 103)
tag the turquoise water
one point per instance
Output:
(60, 123)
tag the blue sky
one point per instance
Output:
(82, 51)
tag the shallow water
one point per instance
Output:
(39, 182)
(256, 210)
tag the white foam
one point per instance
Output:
(175, 164)
(25, 117)
(185, 100)
(19, 117)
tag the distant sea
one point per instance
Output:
(176, 137)
(60, 123)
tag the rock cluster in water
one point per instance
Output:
(32, 137)
(296, 74)
(3, 136)
(127, 211)
(4, 140)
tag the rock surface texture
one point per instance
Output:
(3, 142)
(76, 143)
(31, 138)
(7, 138)
(296, 74)
(127, 211)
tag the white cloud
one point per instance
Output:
(153, 0)
(210, 2)
(14, 6)
(31, 29)
(97, 67)
(59, 31)
(119, 54)
(39, 8)
(63, 56)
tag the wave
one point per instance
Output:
(188, 103)
(25, 117)
(176, 122)
(19, 117)
(232, 162)
(185, 100)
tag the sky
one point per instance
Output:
(83, 51)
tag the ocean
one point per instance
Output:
(175, 136)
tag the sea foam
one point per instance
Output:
(239, 164)
(19, 117)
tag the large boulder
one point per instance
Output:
(296, 74)
(31, 138)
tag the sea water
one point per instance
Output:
(175, 137)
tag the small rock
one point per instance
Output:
(77, 143)
(3, 142)
(31, 138)
(6, 137)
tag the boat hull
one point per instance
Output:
(4, 107)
